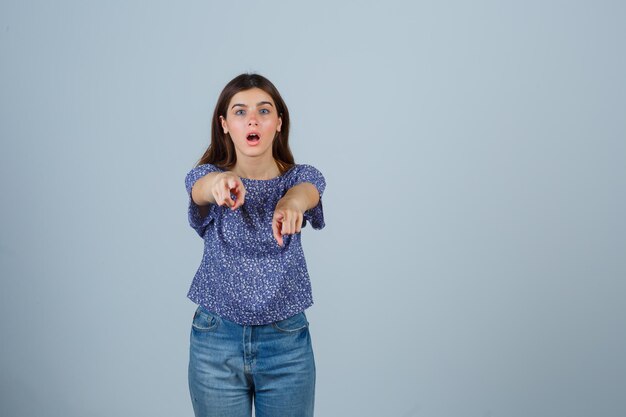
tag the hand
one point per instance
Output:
(287, 218)
(225, 184)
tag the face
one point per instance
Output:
(252, 122)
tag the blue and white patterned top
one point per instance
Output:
(245, 276)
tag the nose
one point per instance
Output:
(252, 120)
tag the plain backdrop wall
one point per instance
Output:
(473, 259)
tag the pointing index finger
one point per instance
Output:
(276, 229)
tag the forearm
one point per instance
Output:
(304, 195)
(201, 193)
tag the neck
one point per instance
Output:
(256, 168)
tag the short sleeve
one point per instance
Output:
(197, 222)
(308, 173)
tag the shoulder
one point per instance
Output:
(303, 169)
(204, 169)
(198, 172)
(305, 173)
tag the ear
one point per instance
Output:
(224, 125)
(280, 123)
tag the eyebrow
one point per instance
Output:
(258, 104)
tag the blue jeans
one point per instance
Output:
(232, 365)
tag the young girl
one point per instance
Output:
(248, 200)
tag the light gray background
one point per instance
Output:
(473, 259)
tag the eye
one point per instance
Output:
(264, 111)
(240, 112)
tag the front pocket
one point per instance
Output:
(292, 324)
(204, 321)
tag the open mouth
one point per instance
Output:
(253, 137)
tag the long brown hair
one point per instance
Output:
(221, 151)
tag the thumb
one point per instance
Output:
(232, 184)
